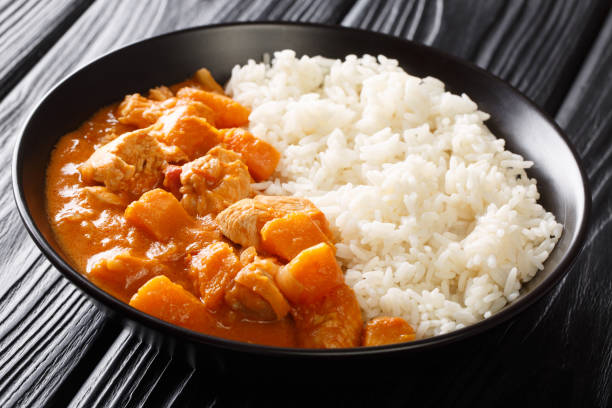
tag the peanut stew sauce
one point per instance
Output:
(90, 226)
(85, 228)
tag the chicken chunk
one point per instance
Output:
(122, 272)
(103, 195)
(289, 235)
(187, 108)
(260, 157)
(250, 304)
(159, 213)
(309, 276)
(206, 80)
(212, 182)
(162, 298)
(247, 255)
(136, 110)
(213, 270)
(242, 221)
(387, 330)
(332, 322)
(229, 112)
(132, 163)
(184, 128)
(173, 154)
(255, 293)
(160, 93)
(283, 205)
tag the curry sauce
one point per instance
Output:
(151, 199)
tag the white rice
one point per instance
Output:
(435, 221)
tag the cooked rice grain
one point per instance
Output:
(435, 221)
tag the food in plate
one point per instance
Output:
(311, 203)
(433, 220)
(152, 200)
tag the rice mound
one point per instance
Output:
(435, 221)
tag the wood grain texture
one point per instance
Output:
(537, 46)
(32, 347)
(28, 29)
(134, 373)
(46, 324)
(56, 348)
(586, 115)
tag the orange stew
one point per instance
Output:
(151, 199)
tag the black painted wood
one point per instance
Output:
(28, 29)
(535, 45)
(56, 348)
(585, 301)
(46, 325)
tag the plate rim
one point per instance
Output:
(200, 339)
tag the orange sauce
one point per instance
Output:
(85, 228)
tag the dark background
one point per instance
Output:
(58, 349)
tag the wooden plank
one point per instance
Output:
(513, 364)
(477, 374)
(69, 326)
(586, 115)
(28, 29)
(43, 318)
(118, 373)
(537, 46)
(557, 353)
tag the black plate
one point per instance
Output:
(172, 57)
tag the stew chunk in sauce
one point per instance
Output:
(158, 190)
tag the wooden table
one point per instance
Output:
(58, 349)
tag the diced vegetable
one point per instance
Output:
(283, 205)
(310, 275)
(159, 213)
(172, 179)
(193, 135)
(213, 270)
(332, 322)
(124, 273)
(387, 330)
(260, 157)
(168, 301)
(289, 235)
(229, 112)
